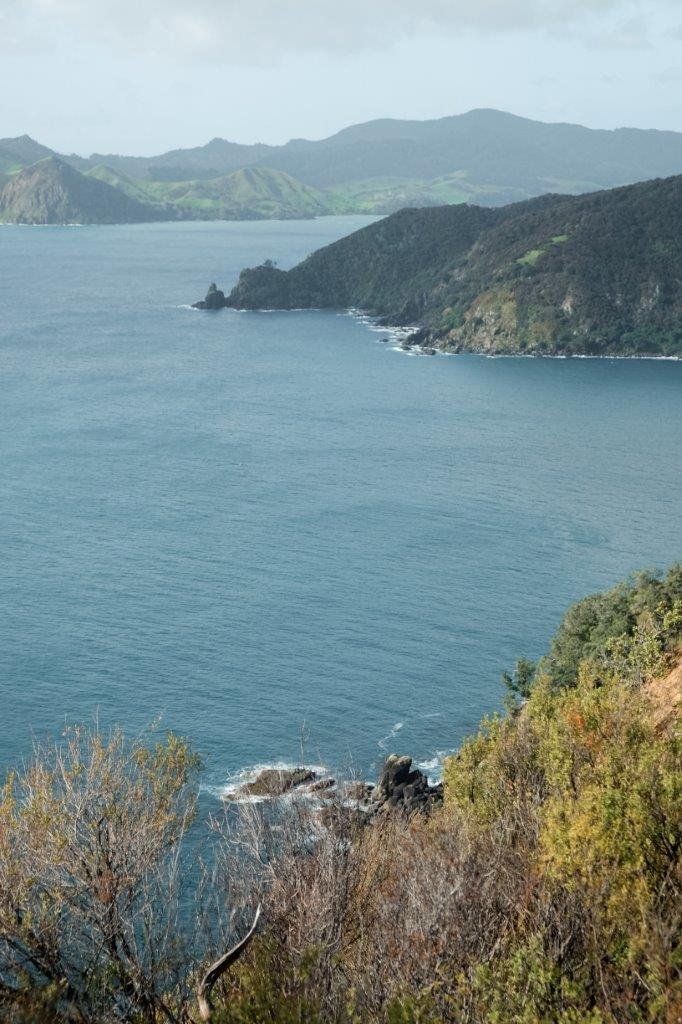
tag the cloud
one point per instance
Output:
(630, 34)
(260, 31)
(669, 76)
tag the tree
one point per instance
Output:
(90, 834)
(521, 681)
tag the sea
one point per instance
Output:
(277, 534)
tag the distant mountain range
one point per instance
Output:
(485, 156)
(597, 274)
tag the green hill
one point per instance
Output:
(52, 192)
(21, 152)
(251, 193)
(485, 156)
(120, 180)
(594, 274)
(491, 149)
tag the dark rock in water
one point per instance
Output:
(215, 299)
(274, 782)
(404, 788)
(428, 351)
(400, 788)
(420, 337)
(384, 341)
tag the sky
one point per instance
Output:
(145, 76)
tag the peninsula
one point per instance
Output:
(597, 274)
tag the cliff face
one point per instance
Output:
(594, 274)
(52, 192)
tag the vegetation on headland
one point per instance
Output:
(484, 156)
(597, 274)
(546, 889)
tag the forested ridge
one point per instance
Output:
(598, 274)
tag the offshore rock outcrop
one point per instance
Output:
(215, 299)
(400, 788)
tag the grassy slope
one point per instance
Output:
(119, 179)
(248, 193)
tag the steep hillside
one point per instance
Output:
(593, 274)
(52, 192)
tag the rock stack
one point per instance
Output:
(402, 788)
(215, 299)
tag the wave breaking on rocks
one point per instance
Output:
(400, 788)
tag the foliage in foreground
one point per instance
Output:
(90, 880)
(547, 891)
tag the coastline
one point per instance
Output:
(403, 334)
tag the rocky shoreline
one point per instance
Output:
(400, 788)
(424, 341)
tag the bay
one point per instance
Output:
(269, 529)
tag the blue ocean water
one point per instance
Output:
(264, 527)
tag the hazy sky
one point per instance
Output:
(143, 76)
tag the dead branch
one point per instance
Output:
(217, 969)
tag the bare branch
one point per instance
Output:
(219, 967)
